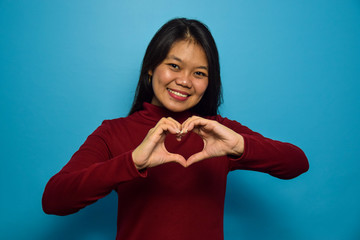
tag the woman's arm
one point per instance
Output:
(246, 149)
(279, 159)
(91, 174)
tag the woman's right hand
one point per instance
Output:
(152, 152)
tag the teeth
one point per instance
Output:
(177, 93)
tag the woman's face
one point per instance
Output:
(180, 80)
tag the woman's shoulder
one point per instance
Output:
(109, 126)
(232, 124)
(123, 124)
(115, 121)
(222, 120)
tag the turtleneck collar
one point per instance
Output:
(155, 113)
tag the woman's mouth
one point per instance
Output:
(178, 95)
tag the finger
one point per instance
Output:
(179, 133)
(175, 125)
(190, 123)
(186, 123)
(178, 127)
(176, 158)
(178, 137)
(173, 121)
(166, 126)
(197, 157)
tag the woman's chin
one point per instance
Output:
(177, 107)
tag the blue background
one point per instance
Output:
(290, 71)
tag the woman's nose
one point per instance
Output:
(184, 80)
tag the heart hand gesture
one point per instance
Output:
(152, 151)
(218, 141)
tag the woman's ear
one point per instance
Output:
(150, 72)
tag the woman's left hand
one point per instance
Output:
(219, 140)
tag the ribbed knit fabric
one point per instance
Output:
(168, 201)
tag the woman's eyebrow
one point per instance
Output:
(174, 57)
(203, 67)
(179, 60)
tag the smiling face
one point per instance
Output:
(181, 79)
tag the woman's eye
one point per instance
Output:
(200, 74)
(174, 66)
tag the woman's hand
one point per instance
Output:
(152, 152)
(218, 139)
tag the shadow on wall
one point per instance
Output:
(95, 222)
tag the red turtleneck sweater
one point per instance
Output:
(167, 201)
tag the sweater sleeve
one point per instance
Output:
(279, 159)
(91, 174)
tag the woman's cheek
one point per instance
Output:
(201, 86)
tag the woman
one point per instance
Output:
(169, 159)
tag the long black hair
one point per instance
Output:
(176, 30)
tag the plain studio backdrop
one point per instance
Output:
(290, 71)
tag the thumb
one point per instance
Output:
(172, 157)
(197, 157)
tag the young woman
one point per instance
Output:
(169, 159)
